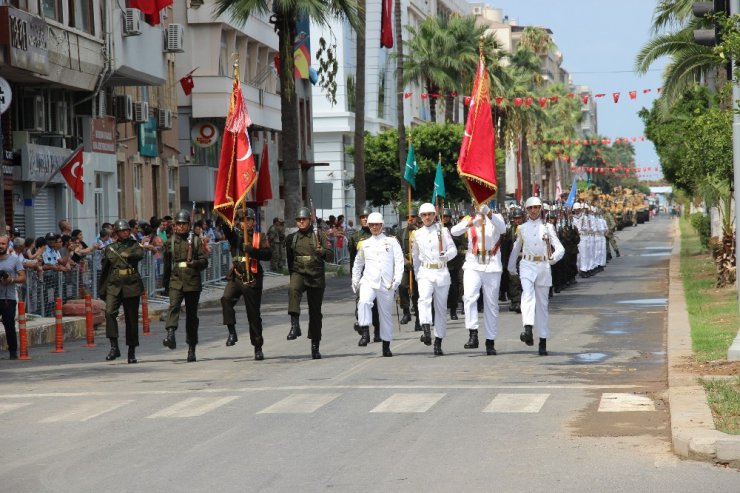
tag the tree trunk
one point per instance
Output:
(526, 174)
(289, 117)
(359, 181)
(500, 149)
(449, 108)
(399, 95)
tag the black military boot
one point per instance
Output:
(232, 338)
(295, 328)
(453, 314)
(114, 351)
(617, 252)
(472, 340)
(169, 339)
(258, 355)
(365, 331)
(376, 335)
(426, 337)
(543, 347)
(132, 354)
(406, 316)
(490, 347)
(417, 325)
(315, 354)
(526, 337)
(357, 328)
(387, 349)
(191, 353)
(438, 346)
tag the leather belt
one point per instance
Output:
(303, 258)
(126, 272)
(181, 265)
(534, 258)
(440, 265)
(239, 259)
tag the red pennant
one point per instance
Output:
(633, 94)
(466, 100)
(424, 95)
(453, 94)
(543, 102)
(585, 99)
(570, 95)
(645, 91)
(528, 101)
(518, 101)
(615, 96)
(499, 99)
(72, 171)
(600, 95)
(407, 95)
(554, 99)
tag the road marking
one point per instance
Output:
(6, 407)
(517, 403)
(85, 411)
(408, 403)
(618, 403)
(192, 407)
(300, 404)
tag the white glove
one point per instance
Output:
(355, 287)
(552, 261)
(484, 209)
(443, 257)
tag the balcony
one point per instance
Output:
(138, 59)
(210, 99)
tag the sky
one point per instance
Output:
(599, 41)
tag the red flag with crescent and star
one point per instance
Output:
(477, 162)
(71, 170)
(237, 172)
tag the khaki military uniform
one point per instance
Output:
(276, 238)
(408, 293)
(121, 284)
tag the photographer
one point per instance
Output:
(11, 273)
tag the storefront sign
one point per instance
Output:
(25, 37)
(148, 138)
(204, 134)
(103, 135)
(6, 95)
(39, 162)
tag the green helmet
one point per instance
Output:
(552, 214)
(121, 225)
(517, 212)
(447, 212)
(366, 211)
(182, 217)
(414, 212)
(303, 213)
(250, 213)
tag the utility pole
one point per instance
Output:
(733, 353)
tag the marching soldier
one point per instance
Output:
(514, 284)
(352, 246)
(376, 274)
(276, 237)
(245, 279)
(121, 284)
(184, 259)
(408, 292)
(454, 265)
(540, 249)
(432, 247)
(307, 250)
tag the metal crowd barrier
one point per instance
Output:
(41, 290)
(341, 253)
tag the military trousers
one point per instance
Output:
(191, 313)
(314, 298)
(277, 258)
(405, 298)
(236, 289)
(453, 295)
(130, 313)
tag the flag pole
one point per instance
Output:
(56, 171)
(408, 232)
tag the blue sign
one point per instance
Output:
(148, 138)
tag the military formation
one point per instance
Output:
(438, 265)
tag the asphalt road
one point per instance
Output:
(590, 416)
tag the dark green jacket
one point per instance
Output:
(354, 240)
(119, 274)
(235, 238)
(303, 259)
(175, 253)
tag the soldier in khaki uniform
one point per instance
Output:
(408, 292)
(245, 279)
(307, 251)
(121, 284)
(184, 259)
(276, 237)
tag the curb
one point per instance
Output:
(693, 433)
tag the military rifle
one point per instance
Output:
(191, 234)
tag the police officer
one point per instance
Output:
(307, 250)
(354, 240)
(245, 279)
(184, 259)
(121, 284)
(408, 292)
(454, 265)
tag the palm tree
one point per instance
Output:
(283, 14)
(359, 136)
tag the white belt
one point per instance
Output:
(534, 258)
(439, 265)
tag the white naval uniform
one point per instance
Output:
(534, 271)
(482, 272)
(377, 271)
(432, 276)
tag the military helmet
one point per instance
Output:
(447, 212)
(365, 211)
(414, 212)
(250, 213)
(552, 214)
(121, 225)
(517, 212)
(182, 217)
(303, 213)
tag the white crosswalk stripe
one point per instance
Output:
(619, 403)
(85, 411)
(300, 404)
(408, 403)
(516, 403)
(192, 407)
(6, 407)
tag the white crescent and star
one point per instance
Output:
(74, 167)
(248, 154)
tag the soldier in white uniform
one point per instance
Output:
(377, 273)
(482, 268)
(534, 238)
(432, 247)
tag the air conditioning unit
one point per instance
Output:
(173, 37)
(194, 4)
(131, 22)
(164, 119)
(124, 108)
(34, 113)
(141, 112)
(59, 122)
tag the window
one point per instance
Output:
(172, 173)
(100, 204)
(223, 60)
(81, 15)
(52, 9)
(137, 189)
(20, 4)
(121, 187)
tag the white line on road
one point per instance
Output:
(85, 411)
(517, 403)
(192, 407)
(299, 404)
(408, 403)
(618, 403)
(6, 407)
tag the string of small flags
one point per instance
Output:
(543, 101)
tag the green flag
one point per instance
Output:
(439, 183)
(411, 168)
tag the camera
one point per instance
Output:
(4, 275)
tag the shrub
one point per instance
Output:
(703, 227)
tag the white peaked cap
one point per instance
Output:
(532, 201)
(427, 207)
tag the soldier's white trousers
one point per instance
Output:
(433, 287)
(473, 280)
(534, 307)
(385, 307)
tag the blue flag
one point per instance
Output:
(572, 195)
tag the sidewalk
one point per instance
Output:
(692, 426)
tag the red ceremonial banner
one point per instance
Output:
(72, 170)
(386, 26)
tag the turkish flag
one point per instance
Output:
(71, 170)
(150, 9)
(187, 84)
(237, 172)
(264, 187)
(386, 29)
